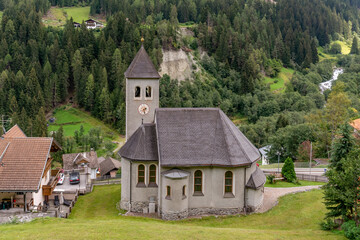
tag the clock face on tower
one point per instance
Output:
(143, 109)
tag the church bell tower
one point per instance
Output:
(142, 91)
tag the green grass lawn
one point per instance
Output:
(345, 47)
(95, 217)
(78, 14)
(277, 84)
(72, 118)
(282, 184)
(57, 16)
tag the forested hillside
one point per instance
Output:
(243, 41)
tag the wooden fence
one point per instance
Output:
(306, 177)
(313, 178)
(105, 180)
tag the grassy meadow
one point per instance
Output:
(95, 217)
(57, 17)
(277, 84)
(71, 120)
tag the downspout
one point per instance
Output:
(245, 205)
(130, 185)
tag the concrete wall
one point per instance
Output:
(177, 203)
(255, 198)
(214, 188)
(38, 196)
(140, 195)
(133, 117)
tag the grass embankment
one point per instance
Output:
(283, 184)
(71, 120)
(95, 217)
(277, 84)
(57, 16)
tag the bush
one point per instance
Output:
(328, 225)
(351, 231)
(335, 48)
(271, 178)
(288, 170)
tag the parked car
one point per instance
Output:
(61, 179)
(74, 178)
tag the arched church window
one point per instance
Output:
(141, 176)
(198, 183)
(137, 92)
(152, 176)
(148, 92)
(229, 184)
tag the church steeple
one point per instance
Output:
(142, 67)
(142, 91)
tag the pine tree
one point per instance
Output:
(354, 46)
(40, 126)
(334, 191)
(288, 170)
(90, 93)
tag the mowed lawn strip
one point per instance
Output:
(283, 184)
(95, 217)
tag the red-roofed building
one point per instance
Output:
(26, 178)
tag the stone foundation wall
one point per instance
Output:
(214, 211)
(124, 205)
(175, 215)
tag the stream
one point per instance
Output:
(327, 85)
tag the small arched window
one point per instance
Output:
(148, 92)
(198, 183)
(141, 175)
(152, 176)
(228, 183)
(137, 92)
(184, 192)
(168, 192)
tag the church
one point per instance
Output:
(182, 162)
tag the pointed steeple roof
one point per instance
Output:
(142, 67)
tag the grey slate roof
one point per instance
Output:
(142, 67)
(201, 137)
(109, 164)
(191, 137)
(257, 179)
(71, 160)
(142, 145)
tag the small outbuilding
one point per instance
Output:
(109, 166)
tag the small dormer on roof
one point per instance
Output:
(142, 67)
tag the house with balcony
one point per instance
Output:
(26, 177)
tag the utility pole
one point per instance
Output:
(3, 121)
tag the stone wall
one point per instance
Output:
(139, 206)
(175, 215)
(214, 211)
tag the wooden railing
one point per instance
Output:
(49, 188)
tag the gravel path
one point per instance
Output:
(271, 195)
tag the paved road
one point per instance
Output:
(66, 186)
(271, 195)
